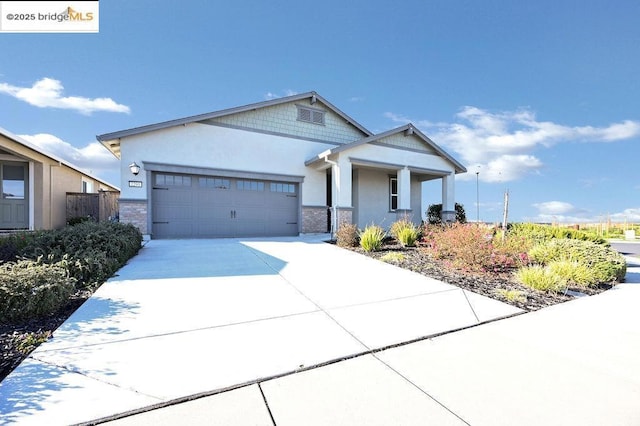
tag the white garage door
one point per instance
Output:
(192, 206)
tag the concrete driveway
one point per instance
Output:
(194, 317)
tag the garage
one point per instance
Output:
(197, 206)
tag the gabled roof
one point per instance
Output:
(410, 129)
(55, 158)
(112, 140)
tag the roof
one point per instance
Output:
(112, 140)
(409, 128)
(55, 158)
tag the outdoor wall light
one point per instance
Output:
(135, 169)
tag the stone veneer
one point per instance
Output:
(314, 219)
(134, 212)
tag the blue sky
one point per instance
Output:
(541, 98)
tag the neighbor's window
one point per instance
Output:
(310, 115)
(13, 182)
(393, 193)
(86, 186)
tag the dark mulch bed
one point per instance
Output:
(486, 284)
(12, 335)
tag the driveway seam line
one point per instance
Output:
(470, 305)
(264, 398)
(420, 389)
(151, 336)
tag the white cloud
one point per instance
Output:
(288, 92)
(93, 158)
(554, 207)
(627, 215)
(500, 145)
(48, 93)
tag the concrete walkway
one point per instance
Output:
(198, 317)
(570, 364)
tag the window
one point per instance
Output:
(283, 187)
(12, 182)
(173, 180)
(310, 115)
(213, 183)
(393, 193)
(86, 186)
(250, 185)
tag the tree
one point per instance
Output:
(434, 214)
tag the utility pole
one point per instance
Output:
(478, 197)
(505, 213)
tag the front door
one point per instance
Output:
(14, 208)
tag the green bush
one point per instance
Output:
(347, 235)
(539, 233)
(405, 232)
(574, 272)
(371, 238)
(11, 245)
(93, 251)
(434, 214)
(393, 257)
(32, 289)
(607, 265)
(541, 278)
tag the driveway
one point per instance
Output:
(195, 317)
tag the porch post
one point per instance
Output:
(404, 190)
(448, 198)
(341, 193)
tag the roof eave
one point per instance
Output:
(215, 114)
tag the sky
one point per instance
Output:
(540, 99)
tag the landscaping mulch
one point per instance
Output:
(487, 284)
(12, 353)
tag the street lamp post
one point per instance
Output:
(478, 197)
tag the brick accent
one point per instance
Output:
(314, 219)
(345, 215)
(134, 212)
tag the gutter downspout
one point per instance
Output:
(334, 216)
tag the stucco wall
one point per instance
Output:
(201, 145)
(371, 198)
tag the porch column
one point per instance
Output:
(448, 198)
(341, 193)
(404, 190)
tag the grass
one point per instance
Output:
(393, 257)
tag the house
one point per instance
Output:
(284, 166)
(34, 185)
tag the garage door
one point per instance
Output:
(190, 206)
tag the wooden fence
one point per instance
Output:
(102, 206)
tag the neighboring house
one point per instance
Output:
(280, 167)
(34, 185)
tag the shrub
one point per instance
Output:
(539, 233)
(32, 289)
(474, 248)
(512, 295)
(79, 219)
(574, 272)
(92, 251)
(347, 235)
(607, 265)
(405, 232)
(540, 278)
(434, 214)
(11, 245)
(393, 257)
(372, 237)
